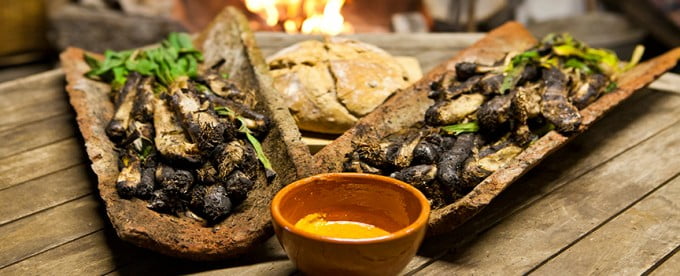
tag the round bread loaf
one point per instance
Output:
(330, 84)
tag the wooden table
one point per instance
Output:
(608, 203)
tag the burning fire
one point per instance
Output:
(306, 16)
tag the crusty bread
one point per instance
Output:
(408, 106)
(329, 85)
(228, 38)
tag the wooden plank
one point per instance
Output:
(669, 267)
(19, 71)
(40, 79)
(267, 259)
(630, 243)
(17, 98)
(40, 88)
(94, 254)
(102, 252)
(392, 41)
(283, 267)
(33, 113)
(45, 192)
(625, 127)
(278, 267)
(667, 82)
(430, 59)
(275, 267)
(41, 161)
(32, 99)
(50, 228)
(53, 79)
(526, 238)
(32, 135)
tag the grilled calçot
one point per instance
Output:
(178, 153)
(485, 115)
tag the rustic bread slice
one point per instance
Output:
(228, 38)
(408, 106)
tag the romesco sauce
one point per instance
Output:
(316, 223)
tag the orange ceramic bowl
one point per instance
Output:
(385, 202)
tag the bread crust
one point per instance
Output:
(331, 84)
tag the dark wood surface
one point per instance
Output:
(607, 203)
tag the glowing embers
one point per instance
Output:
(305, 16)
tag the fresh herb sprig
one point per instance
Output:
(225, 111)
(174, 58)
(513, 70)
(580, 56)
(564, 51)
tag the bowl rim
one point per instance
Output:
(420, 222)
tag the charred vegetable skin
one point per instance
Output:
(195, 161)
(179, 150)
(485, 115)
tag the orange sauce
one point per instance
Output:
(316, 223)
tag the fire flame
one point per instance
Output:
(266, 8)
(306, 16)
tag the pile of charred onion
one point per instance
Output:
(484, 115)
(187, 140)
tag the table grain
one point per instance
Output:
(607, 203)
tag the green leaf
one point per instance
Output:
(204, 89)
(192, 67)
(605, 60)
(171, 53)
(159, 89)
(92, 62)
(553, 39)
(603, 55)
(172, 41)
(184, 41)
(176, 57)
(514, 69)
(511, 78)
(143, 66)
(256, 144)
(164, 71)
(119, 77)
(635, 58)
(611, 87)
(225, 111)
(567, 50)
(549, 61)
(181, 67)
(461, 128)
(577, 64)
(147, 150)
(198, 56)
(525, 57)
(111, 60)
